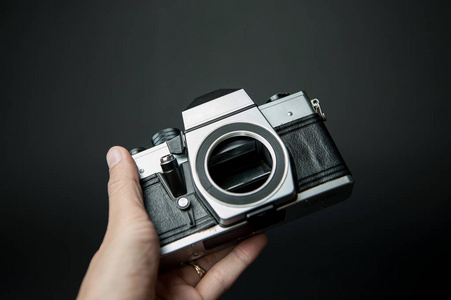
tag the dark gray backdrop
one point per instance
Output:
(77, 78)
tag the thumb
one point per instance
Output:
(124, 190)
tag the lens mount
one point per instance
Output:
(252, 157)
(250, 151)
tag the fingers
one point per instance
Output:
(188, 273)
(223, 274)
(126, 264)
(124, 191)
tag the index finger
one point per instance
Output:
(223, 274)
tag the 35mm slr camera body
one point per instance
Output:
(238, 169)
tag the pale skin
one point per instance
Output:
(126, 266)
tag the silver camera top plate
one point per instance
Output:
(287, 109)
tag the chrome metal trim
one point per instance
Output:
(194, 238)
(287, 109)
(227, 213)
(215, 108)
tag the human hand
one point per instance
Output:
(126, 264)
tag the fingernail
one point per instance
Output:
(113, 157)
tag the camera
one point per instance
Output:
(238, 169)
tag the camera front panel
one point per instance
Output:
(243, 132)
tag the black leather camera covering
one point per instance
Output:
(171, 222)
(314, 154)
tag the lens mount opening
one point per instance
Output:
(240, 163)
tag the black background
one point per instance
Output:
(78, 77)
